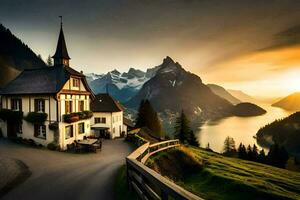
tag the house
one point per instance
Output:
(128, 125)
(48, 105)
(107, 120)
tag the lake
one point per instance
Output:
(241, 129)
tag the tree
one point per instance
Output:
(49, 61)
(261, 156)
(148, 117)
(40, 56)
(192, 140)
(254, 153)
(182, 129)
(277, 156)
(229, 146)
(242, 153)
(249, 153)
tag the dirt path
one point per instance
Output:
(57, 175)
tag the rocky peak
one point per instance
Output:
(169, 66)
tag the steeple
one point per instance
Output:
(61, 56)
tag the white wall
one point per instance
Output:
(114, 121)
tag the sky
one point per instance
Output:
(250, 45)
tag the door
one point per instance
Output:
(11, 129)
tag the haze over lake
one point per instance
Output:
(242, 129)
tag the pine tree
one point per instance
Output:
(148, 117)
(242, 153)
(249, 153)
(192, 140)
(277, 156)
(261, 156)
(49, 61)
(229, 146)
(254, 153)
(182, 129)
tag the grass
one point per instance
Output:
(121, 186)
(227, 178)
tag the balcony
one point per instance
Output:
(74, 117)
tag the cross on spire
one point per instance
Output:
(61, 21)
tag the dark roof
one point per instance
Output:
(148, 135)
(105, 103)
(46, 80)
(61, 48)
(128, 122)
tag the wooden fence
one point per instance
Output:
(147, 183)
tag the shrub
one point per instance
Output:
(87, 114)
(70, 118)
(53, 126)
(36, 118)
(52, 146)
(10, 115)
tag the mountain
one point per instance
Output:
(242, 96)
(291, 102)
(173, 89)
(121, 86)
(220, 91)
(92, 76)
(247, 110)
(284, 132)
(15, 56)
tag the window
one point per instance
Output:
(81, 128)
(80, 106)
(114, 129)
(16, 104)
(69, 132)
(68, 107)
(40, 131)
(76, 82)
(101, 120)
(39, 105)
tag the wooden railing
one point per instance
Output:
(147, 183)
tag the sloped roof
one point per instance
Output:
(105, 103)
(49, 80)
(61, 48)
(128, 122)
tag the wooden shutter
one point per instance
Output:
(36, 105)
(20, 104)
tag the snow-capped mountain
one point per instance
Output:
(121, 86)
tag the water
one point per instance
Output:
(242, 129)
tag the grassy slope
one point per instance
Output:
(231, 178)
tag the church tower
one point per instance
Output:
(61, 56)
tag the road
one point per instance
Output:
(59, 175)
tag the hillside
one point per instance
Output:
(291, 102)
(173, 89)
(15, 56)
(224, 178)
(285, 132)
(220, 91)
(247, 110)
(243, 97)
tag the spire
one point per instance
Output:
(61, 56)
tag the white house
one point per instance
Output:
(107, 120)
(55, 103)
